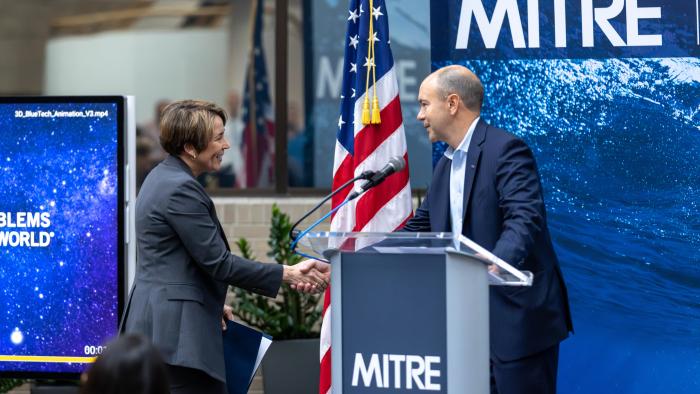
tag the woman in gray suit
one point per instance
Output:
(184, 260)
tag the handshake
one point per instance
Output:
(308, 276)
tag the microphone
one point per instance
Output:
(294, 234)
(396, 164)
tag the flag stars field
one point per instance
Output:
(354, 15)
(376, 12)
(354, 40)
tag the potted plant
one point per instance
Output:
(291, 365)
(8, 384)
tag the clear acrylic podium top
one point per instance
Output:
(500, 272)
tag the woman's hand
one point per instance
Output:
(308, 276)
(227, 315)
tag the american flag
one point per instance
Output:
(362, 147)
(258, 118)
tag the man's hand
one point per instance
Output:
(308, 276)
(227, 315)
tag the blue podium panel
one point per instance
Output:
(393, 331)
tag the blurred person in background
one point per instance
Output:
(144, 147)
(298, 155)
(232, 166)
(151, 132)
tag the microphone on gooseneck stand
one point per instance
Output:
(396, 164)
(294, 234)
(373, 178)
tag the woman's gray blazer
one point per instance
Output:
(184, 267)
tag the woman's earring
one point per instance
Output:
(194, 156)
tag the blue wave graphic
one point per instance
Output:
(618, 145)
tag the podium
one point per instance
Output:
(410, 311)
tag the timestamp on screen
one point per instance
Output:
(90, 350)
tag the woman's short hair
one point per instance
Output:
(188, 122)
(130, 365)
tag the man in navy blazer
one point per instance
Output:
(487, 188)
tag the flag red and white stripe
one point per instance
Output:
(359, 147)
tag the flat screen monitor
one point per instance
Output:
(62, 232)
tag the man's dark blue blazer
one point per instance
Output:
(505, 213)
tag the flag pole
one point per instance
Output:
(252, 111)
(281, 115)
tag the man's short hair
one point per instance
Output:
(451, 80)
(188, 122)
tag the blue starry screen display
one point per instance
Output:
(60, 237)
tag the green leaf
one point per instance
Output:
(8, 384)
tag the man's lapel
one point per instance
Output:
(473, 156)
(440, 197)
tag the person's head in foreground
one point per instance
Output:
(130, 365)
